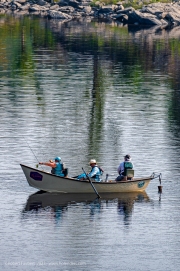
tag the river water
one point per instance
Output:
(84, 90)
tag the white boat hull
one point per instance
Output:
(48, 182)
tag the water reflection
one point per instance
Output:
(37, 49)
(58, 204)
(125, 205)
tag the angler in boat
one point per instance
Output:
(95, 172)
(58, 168)
(125, 169)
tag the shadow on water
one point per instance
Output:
(60, 202)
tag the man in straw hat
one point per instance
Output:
(127, 164)
(95, 172)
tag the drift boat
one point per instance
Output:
(48, 182)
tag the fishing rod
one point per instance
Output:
(37, 165)
(31, 150)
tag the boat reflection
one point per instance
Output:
(60, 202)
(126, 204)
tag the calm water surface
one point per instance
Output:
(89, 90)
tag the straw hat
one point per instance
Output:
(92, 161)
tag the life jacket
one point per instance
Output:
(101, 170)
(127, 165)
(58, 170)
(98, 174)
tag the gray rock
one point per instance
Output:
(58, 15)
(18, 5)
(35, 8)
(107, 9)
(25, 7)
(80, 7)
(34, 12)
(41, 2)
(164, 22)
(162, 15)
(120, 7)
(175, 8)
(67, 9)
(63, 3)
(21, 1)
(74, 3)
(104, 10)
(23, 12)
(87, 9)
(143, 18)
(77, 14)
(125, 11)
(159, 14)
(85, 3)
(152, 10)
(173, 18)
(54, 7)
(121, 18)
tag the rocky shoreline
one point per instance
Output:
(161, 14)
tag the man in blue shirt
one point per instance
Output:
(127, 164)
(95, 172)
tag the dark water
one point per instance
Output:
(89, 90)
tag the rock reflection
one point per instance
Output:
(60, 202)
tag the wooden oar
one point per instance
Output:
(91, 183)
